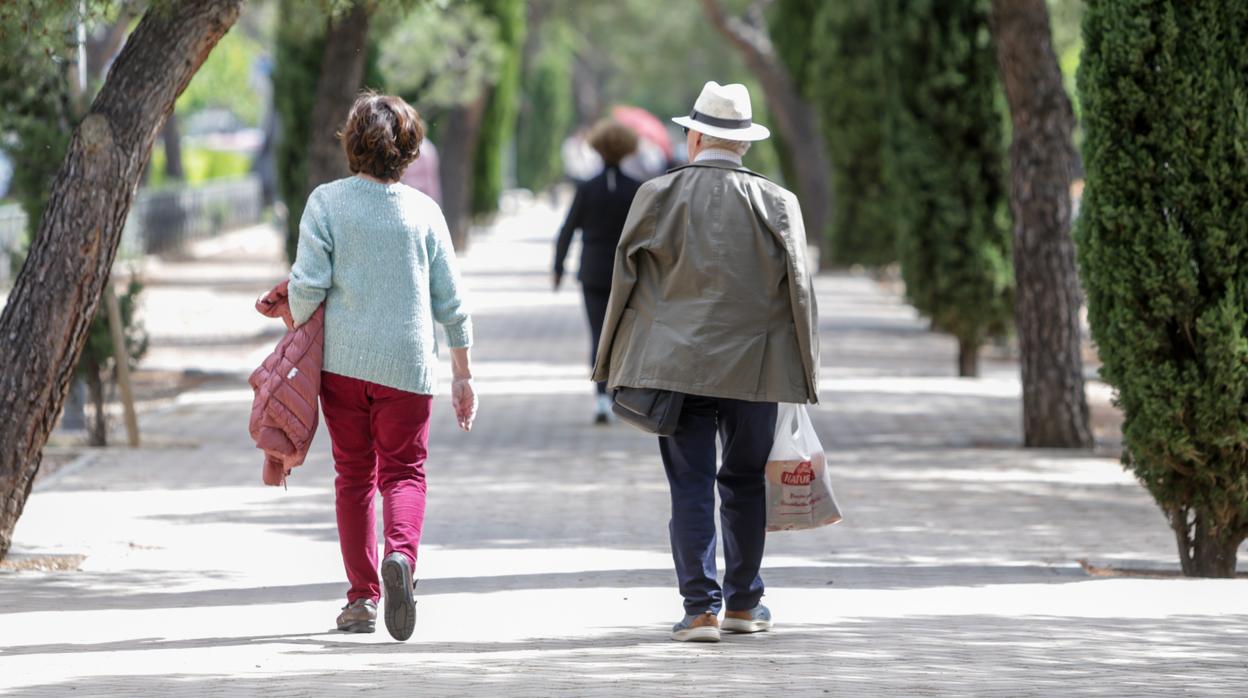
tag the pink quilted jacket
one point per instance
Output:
(284, 413)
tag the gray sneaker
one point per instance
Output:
(396, 580)
(703, 627)
(755, 620)
(359, 616)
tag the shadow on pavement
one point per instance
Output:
(140, 591)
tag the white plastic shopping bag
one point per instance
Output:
(799, 493)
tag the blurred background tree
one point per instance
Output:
(449, 81)
(299, 46)
(547, 111)
(947, 169)
(498, 123)
(846, 80)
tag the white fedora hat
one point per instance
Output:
(724, 111)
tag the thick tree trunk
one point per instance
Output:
(795, 119)
(1048, 295)
(171, 136)
(55, 297)
(458, 151)
(1201, 553)
(968, 359)
(342, 75)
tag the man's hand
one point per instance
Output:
(464, 402)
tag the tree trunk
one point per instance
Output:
(97, 433)
(55, 297)
(968, 359)
(1201, 553)
(458, 151)
(1048, 296)
(342, 74)
(171, 135)
(74, 414)
(795, 119)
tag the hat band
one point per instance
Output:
(721, 123)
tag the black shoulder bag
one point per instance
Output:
(651, 410)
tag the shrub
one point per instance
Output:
(1164, 257)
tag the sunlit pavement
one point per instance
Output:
(545, 568)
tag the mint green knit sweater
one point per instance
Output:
(380, 257)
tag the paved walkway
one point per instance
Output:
(545, 568)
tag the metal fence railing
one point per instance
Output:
(161, 221)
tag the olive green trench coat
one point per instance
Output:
(711, 294)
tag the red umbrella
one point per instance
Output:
(647, 126)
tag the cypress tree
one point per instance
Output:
(545, 111)
(946, 169)
(789, 25)
(1163, 250)
(499, 122)
(845, 80)
(300, 45)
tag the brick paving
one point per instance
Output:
(545, 568)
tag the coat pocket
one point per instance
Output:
(783, 368)
(712, 355)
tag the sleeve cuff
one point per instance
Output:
(301, 306)
(459, 335)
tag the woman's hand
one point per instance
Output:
(463, 397)
(464, 401)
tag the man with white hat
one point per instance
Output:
(711, 301)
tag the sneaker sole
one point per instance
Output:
(362, 626)
(737, 625)
(703, 634)
(400, 599)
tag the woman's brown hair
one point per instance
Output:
(382, 136)
(613, 141)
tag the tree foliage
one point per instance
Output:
(37, 52)
(226, 80)
(846, 80)
(300, 45)
(453, 70)
(946, 168)
(499, 123)
(546, 113)
(1164, 255)
(98, 362)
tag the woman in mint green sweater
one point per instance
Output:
(378, 255)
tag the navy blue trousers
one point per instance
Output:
(746, 430)
(596, 311)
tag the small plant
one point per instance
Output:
(97, 365)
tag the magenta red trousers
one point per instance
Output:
(380, 439)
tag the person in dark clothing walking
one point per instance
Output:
(599, 211)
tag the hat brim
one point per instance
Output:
(754, 132)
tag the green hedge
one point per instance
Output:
(200, 165)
